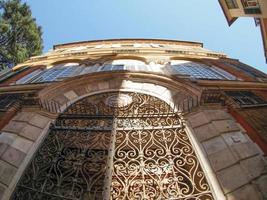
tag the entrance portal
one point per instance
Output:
(115, 145)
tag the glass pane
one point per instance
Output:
(231, 4)
(197, 71)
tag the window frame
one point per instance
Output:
(246, 98)
(201, 71)
(251, 9)
(231, 4)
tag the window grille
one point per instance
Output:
(212, 96)
(7, 100)
(115, 146)
(246, 98)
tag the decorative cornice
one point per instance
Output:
(108, 41)
(178, 49)
(233, 85)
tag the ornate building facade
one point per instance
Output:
(133, 119)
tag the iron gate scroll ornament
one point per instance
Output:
(152, 155)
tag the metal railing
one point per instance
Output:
(212, 97)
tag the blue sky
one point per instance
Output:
(66, 21)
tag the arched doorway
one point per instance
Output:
(115, 145)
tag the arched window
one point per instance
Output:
(115, 146)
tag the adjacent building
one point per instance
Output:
(247, 8)
(133, 119)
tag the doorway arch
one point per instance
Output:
(115, 145)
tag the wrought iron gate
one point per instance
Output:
(115, 146)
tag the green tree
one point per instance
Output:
(20, 36)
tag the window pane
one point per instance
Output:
(231, 4)
(28, 78)
(244, 98)
(201, 71)
(117, 67)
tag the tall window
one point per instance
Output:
(199, 71)
(231, 4)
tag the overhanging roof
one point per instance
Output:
(228, 17)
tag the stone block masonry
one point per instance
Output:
(18, 140)
(237, 162)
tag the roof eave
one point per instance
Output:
(230, 20)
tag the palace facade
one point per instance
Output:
(133, 119)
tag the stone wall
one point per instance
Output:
(238, 164)
(18, 141)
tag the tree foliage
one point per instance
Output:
(20, 36)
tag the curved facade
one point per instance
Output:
(133, 119)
